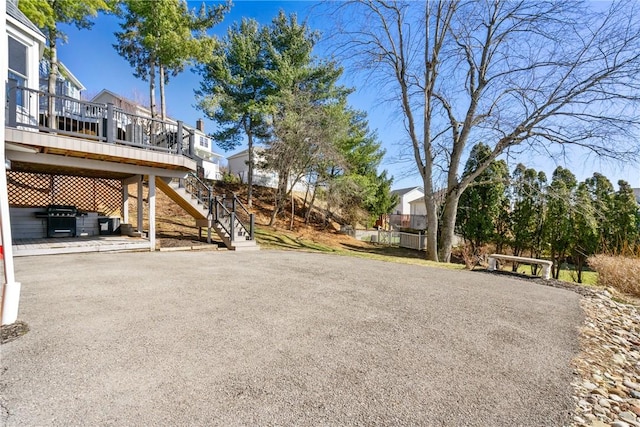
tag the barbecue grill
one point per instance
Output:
(61, 220)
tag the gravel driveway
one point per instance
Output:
(284, 338)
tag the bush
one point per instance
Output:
(619, 272)
(473, 258)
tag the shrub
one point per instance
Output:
(471, 257)
(619, 272)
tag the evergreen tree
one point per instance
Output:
(234, 90)
(625, 220)
(585, 228)
(164, 36)
(525, 190)
(559, 230)
(482, 202)
(602, 193)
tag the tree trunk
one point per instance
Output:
(280, 195)
(152, 86)
(293, 211)
(432, 219)
(579, 267)
(163, 104)
(448, 225)
(554, 266)
(307, 215)
(53, 76)
(306, 195)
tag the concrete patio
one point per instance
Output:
(283, 338)
(73, 245)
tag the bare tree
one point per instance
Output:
(519, 76)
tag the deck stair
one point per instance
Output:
(224, 214)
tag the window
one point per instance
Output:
(204, 142)
(18, 66)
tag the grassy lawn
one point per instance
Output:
(272, 239)
(340, 245)
(589, 278)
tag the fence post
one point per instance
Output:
(179, 138)
(251, 226)
(13, 103)
(419, 240)
(110, 124)
(232, 226)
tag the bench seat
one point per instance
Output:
(546, 265)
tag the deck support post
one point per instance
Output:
(152, 212)
(125, 202)
(140, 205)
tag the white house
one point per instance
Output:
(238, 164)
(203, 144)
(636, 192)
(406, 196)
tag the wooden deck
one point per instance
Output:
(71, 245)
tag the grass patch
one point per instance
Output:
(589, 278)
(272, 239)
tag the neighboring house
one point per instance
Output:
(238, 165)
(66, 84)
(405, 197)
(209, 160)
(636, 192)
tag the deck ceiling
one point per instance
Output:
(21, 166)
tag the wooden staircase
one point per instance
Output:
(225, 215)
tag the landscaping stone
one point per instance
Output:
(609, 366)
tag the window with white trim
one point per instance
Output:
(18, 66)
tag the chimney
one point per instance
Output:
(200, 125)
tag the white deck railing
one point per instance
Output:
(31, 109)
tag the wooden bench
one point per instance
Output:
(546, 265)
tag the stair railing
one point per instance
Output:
(228, 212)
(198, 189)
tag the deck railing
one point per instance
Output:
(46, 112)
(227, 211)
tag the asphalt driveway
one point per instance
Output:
(283, 338)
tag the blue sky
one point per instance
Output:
(91, 58)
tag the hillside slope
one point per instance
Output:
(175, 227)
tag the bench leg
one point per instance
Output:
(492, 264)
(546, 271)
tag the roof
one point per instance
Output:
(63, 71)
(439, 196)
(402, 191)
(15, 13)
(69, 75)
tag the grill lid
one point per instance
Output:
(60, 210)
